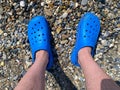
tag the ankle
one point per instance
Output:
(84, 53)
(41, 53)
(42, 56)
(85, 50)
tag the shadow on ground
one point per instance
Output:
(63, 81)
(60, 77)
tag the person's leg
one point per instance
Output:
(96, 78)
(34, 79)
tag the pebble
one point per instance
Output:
(65, 14)
(0, 16)
(118, 49)
(27, 64)
(5, 34)
(64, 41)
(47, 12)
(1, 32)
(58, 30)
(6, 88)
(111, 15)
(15, 77)
(48, 1)
(22, 3)
(2, 63)
(84, 2)
(117, 29)
(4, 56)
(42, 3)
(104, 42)
(106, 34)
(1, 10)
(76, 5)
(23, 73)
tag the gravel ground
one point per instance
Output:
(63, 16)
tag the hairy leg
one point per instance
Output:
(96, 78)
(34, 79)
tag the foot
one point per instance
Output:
(87, 34)
(39, 38)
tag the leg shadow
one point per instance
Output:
(63, 81)
(118, 83)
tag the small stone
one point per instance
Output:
(5, 34)
(6, 88)
(104, 42)
(48, 1)
(58, 30)
(111, 45)
(42, 3)
(111, 15)
(0, 16)
(23, 73)
(21, 18)
(28, 64)
(2, 64)
(1, 32)
(65, 14)
(33, 10)
(4, 56)
(106, 34)
(10, 13)
(48, 12)
(22, 3)
(118, 25)
(15, 77)
(76, 5)
(64, 36)
(84, 8)
(64, 41)
(18, 43)
(84, 2)
(1, 10)
(59, 21)
(118, 49)
(117, 29)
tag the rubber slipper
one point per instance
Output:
(39, 37)
(87, 34)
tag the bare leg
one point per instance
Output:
(96, 79)
(34, 79)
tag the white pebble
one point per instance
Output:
(104, 42)
(65, 14)
(42, 3)
(76, 5)
(22, 3)
(2, 63)
(5, 34)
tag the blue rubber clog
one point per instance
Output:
(39, 37)
(87, 35)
